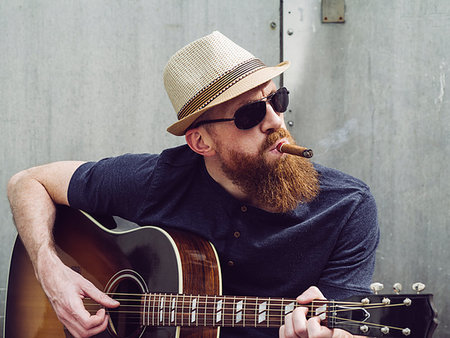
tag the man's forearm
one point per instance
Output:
(33, 212)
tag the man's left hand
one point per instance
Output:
(296, 324)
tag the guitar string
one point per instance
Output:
(273, 304)
(212, 298)
(138, 297)
(185, 321)
(204, 316)
(185, 317)
(232, 303)
(187, 313)
(275, 309)
(357, 322)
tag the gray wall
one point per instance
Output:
(370, 98)
(82, 80)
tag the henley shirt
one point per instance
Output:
(329, 242)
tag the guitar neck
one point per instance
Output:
(371, 315)
(157, 309)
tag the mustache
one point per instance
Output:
(276, 136)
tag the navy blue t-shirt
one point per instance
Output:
(329, 242)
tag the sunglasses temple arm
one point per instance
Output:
(201, 123)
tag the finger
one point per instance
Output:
(81, 326)
(78, 331)
(299, 321)
(102, 324)
(314, 328)
(281, 332)
(288, 326)
(100, 297)
(309, 295)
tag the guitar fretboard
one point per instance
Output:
(159, 309)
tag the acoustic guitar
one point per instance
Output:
(169, 285)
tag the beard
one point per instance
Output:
(278, 186)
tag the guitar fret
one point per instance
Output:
(182, 311)
(142, 317)
(243, 310)
(256, 310)
(206, 310)
(149, 297)
(153, 310)
(233, 317)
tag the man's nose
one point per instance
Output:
(272, 121)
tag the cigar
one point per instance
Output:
(293, 149)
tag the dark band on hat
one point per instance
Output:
(219, 85)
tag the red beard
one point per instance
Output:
(279, 186)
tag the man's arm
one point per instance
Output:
(32, 194)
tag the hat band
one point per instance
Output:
(218, 86)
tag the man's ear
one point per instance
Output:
(200, 141)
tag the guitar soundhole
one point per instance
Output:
(127, 287)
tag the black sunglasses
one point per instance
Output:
(252, 114)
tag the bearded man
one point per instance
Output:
(281, 225)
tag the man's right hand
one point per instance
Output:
(66, 290)
(32, 194)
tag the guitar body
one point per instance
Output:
(138, 261)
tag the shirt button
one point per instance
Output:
(244, 208)
(230, 263)
(237, 234)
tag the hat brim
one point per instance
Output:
(247, 83)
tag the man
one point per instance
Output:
(281, 225)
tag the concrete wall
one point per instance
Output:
(82, 80)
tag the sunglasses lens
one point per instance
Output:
(250, 115)
(280, 100)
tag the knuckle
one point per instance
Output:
(315, 290)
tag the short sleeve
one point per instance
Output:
(112, 186)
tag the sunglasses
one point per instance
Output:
(252, 114)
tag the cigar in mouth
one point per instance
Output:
(284, 147)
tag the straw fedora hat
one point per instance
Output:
(210, 71)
